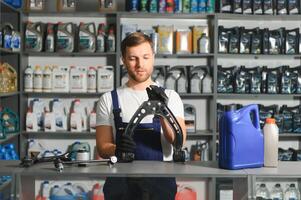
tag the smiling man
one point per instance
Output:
(153, 136)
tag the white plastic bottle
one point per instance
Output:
(270, 132)
(37, 79)
(47, 79)
(49, 121)
(92, 121)
(75, 122)
(262, 192)
(28, 79)
(91, 84)
(277, 192)
(46, 190)
(292, 193)
(31, 121)
(204, 45)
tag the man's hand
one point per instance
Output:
(125, 145)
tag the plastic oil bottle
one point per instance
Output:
(34, 35)
(28, 79)
(65, 37)
(111, 40)
(270, 131)
(262, 192)
(101, 35)
(105, 78)
(204, 44)
(292, 193)
(31, 121)
(87, 40)
(49, 47)
(277, 192)
(7, 31)
(91, 84)
(37, 79)
(47, 79)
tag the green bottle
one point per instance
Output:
(210, 6)
(143, 5)
(186, 6)
(153, 6)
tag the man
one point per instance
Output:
(153, 136)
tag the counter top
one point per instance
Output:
(191, 169)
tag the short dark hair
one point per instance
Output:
(135, 39)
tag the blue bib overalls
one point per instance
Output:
(147, 137)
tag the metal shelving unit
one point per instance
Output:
(211, 58)
(9, 14)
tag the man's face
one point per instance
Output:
(139, 62)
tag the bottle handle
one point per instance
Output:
(254, 110)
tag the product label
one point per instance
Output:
(195, 85)
(60, 81)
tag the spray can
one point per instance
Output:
(28, 79)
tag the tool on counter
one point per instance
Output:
(157, 105)
(65, 158)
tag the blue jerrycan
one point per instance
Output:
(241, 140)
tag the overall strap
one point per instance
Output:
(116, 109)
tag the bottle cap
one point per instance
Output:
(230, 107)
(270, 121)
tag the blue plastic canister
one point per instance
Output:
(241, 140)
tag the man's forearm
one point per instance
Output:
(107, 150)
(168, 131)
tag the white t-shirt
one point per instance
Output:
(129, 101)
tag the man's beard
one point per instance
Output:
(138, 79)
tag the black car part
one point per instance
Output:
(156, 105)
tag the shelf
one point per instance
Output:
(257, 96)
(4, 185)
(184, 55)
(289, 135)
(57, 54)
(8, 51)
(9, 94)
(68, 14)
(194, 95)
(199, 134)
(9, 136)
(259, 56)
(60, 134)
(63, 94)
(7, 8)
(231, 16)
(165, 15)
